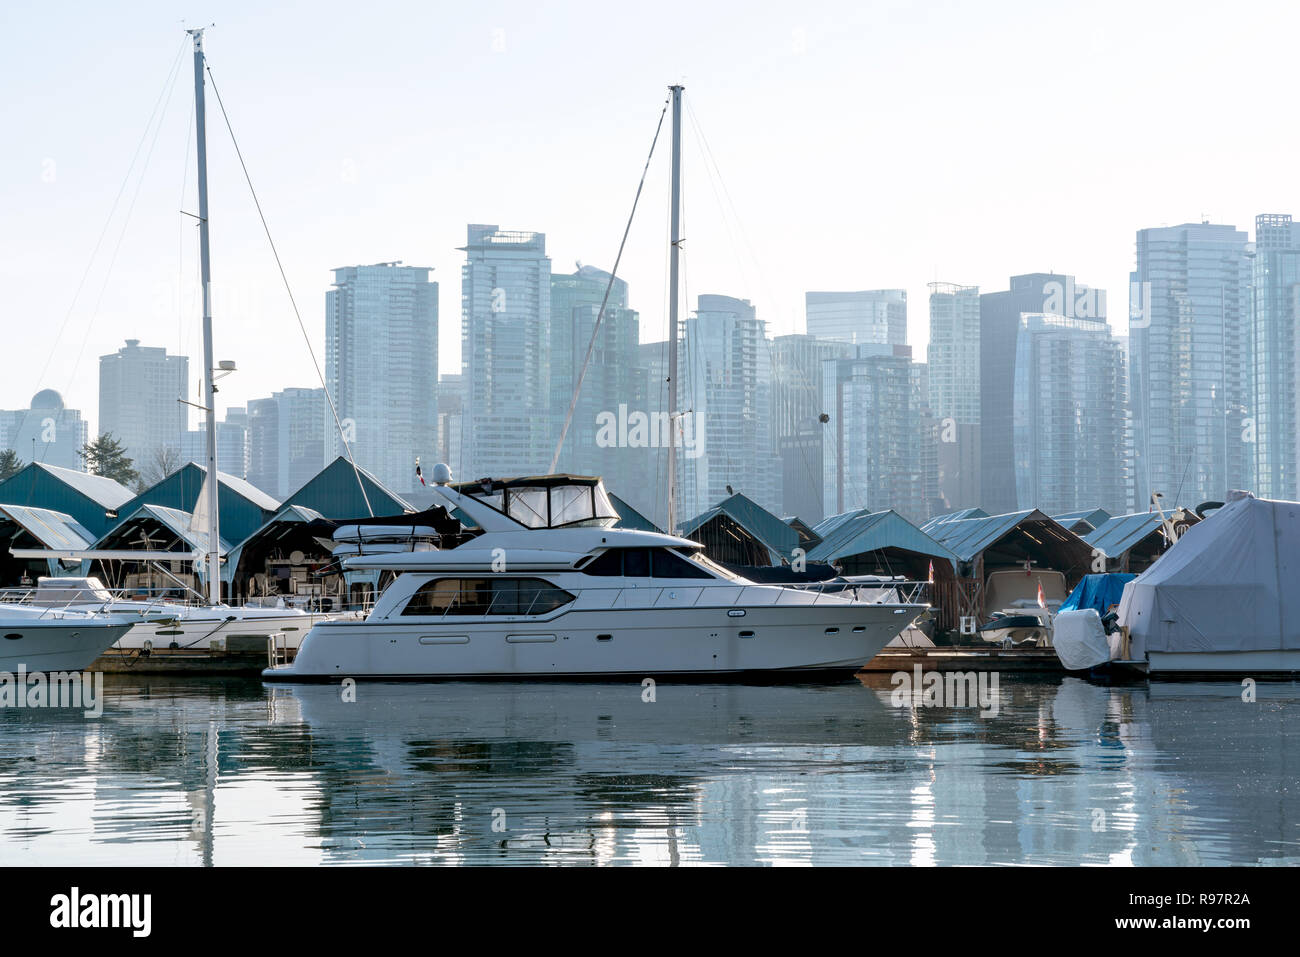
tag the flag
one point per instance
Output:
(931, 578)
(1042, 602)
(418, 473)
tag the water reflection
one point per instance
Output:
(233, 772)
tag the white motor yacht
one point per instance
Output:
(549, 587)
(54, 639)
(159, 623)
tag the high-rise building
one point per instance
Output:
(876, 459)
(451, 408)
(797, 410)
(595, 445)
(873, 315)
(381, 357)
(1276, 313)
(1189, 339)
(287, 441)
(725, 372)
(46, 432)
(953, 383)
(1069, 418)
(232, 444)
(138, 389)
(506, 352)
(1001, 326)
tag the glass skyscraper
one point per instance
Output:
(508, 424)
(1276, 310)
(381, 358)
(870, 316)
(1190, 376)
(1068, 421)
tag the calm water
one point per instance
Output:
(234, 772)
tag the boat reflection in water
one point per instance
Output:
(530, 773)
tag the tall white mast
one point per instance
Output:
(675, 238)
(211, 484)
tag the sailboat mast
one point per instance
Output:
(675, 237)
(211, 484)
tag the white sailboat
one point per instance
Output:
(160, 623)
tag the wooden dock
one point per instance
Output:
(242, 655)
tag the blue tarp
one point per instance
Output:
(1097, 591)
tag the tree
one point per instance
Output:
(161, 463)
(105, 456)
(9, 463)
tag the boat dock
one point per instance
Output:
(966, 658)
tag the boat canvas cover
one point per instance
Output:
(1097, 591)
(1079, 639)
(1228, 584)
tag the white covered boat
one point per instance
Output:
(1224, 598)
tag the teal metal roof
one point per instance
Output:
(967, 537)
(779, 537)
(334, 492)
(173, 519)
(827, 525)
(1122, 532)
(244, 508)
(295, 514)
(51, 529)
(628, 517)
(862, 532)
(956, 516)
(807, 537)
(105, 491)
(1095, 517)
(87, 498)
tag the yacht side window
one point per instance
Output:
(669, 564)
(486, 596)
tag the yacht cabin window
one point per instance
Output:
(486, 596)
(643, 563)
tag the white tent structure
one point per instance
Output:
(1225, 597)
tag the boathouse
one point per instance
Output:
(1131, 543)
(92, 501)
(738, 531)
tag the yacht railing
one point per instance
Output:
(905, 592)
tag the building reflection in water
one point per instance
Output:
(226, 772)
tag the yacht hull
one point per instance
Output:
(55, 645)
(794, 640)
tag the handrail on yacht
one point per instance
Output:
(907, 592)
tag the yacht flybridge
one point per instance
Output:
(544, 585)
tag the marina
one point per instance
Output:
(501, 565)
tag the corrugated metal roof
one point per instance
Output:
(289, 513)
(827, 525)
(864, 532)
(957, 516)
(175, 520)
(1095, 517)
(628, 517)
(1122, 532)
(52, 529)
(967, 537)
(105, 491)
(779, 537)
(244, 508)
(335, 493)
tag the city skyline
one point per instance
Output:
(907, 217)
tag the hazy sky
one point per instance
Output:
(860, 145)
